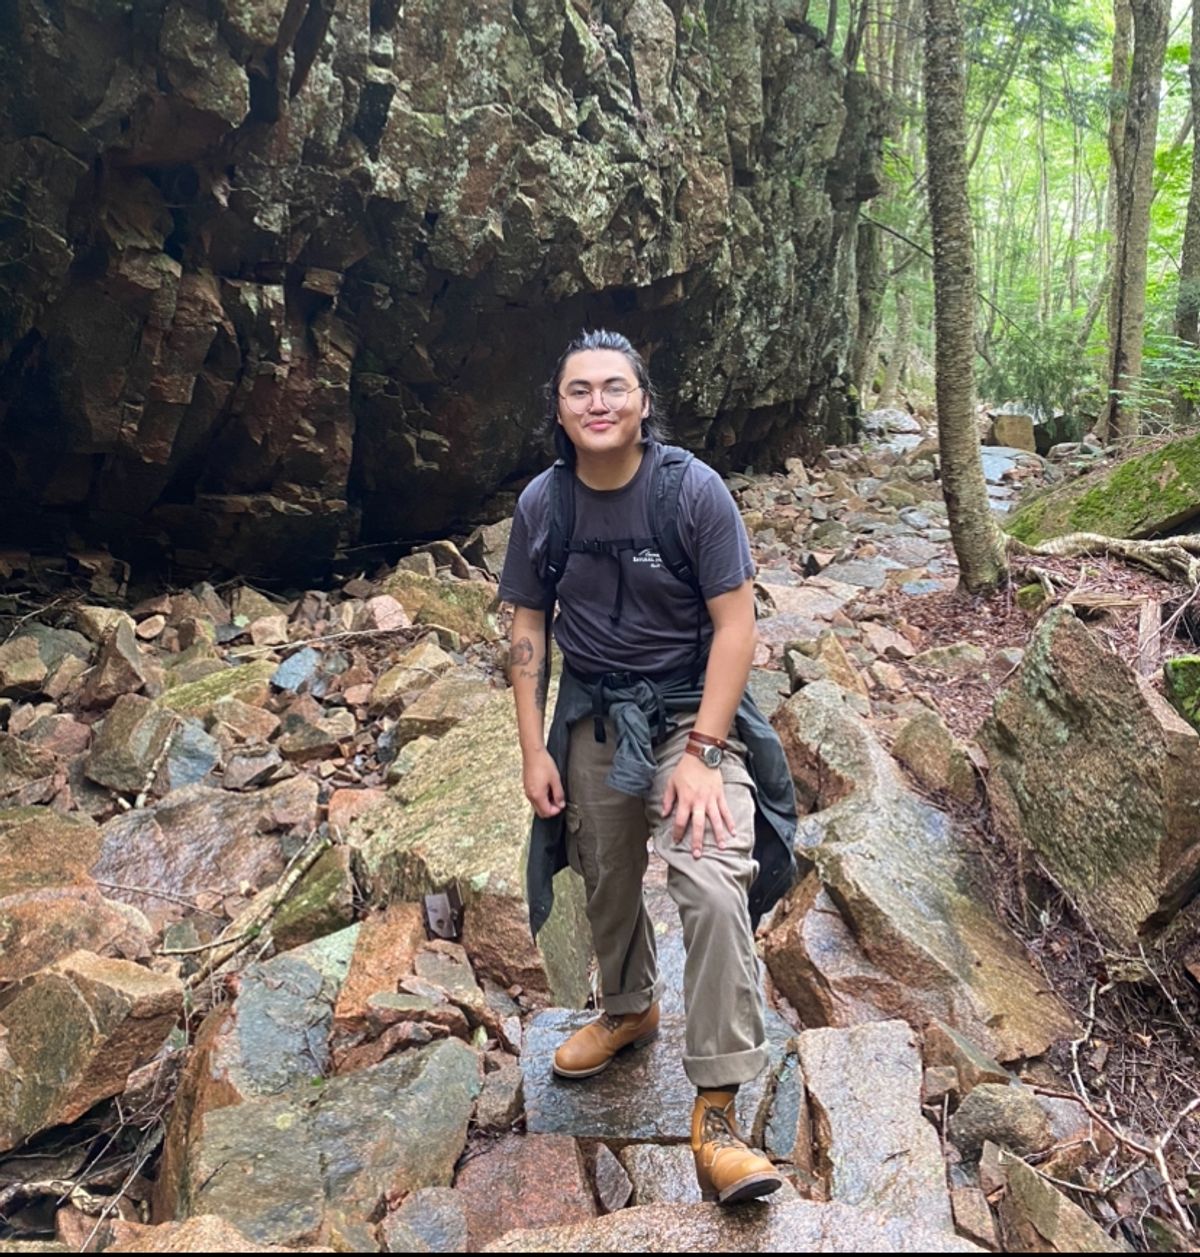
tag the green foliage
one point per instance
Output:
(1048, 372)
(1170, 369)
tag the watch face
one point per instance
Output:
(711, 755)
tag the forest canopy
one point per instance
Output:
(1048, 94)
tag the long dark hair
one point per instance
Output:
(601, 338)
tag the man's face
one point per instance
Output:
(600, 404)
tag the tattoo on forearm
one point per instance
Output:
(522, 652)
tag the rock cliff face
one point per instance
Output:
(279, 275)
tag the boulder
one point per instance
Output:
(430, 1220)
(829, 979)
(417, 669)
(308, 731)
(96, 622)
(449, 701)
(1094, 772)
(509, 1186)
(875, 1146)
(232, 721)
(973, 1217)
(49, 905)
(487, 546)
(22, 668)
(383, 614)
(792, 1227)
(202, 840)
(387, 944)
(661, 1174)
(1007, 1115)
(248, 682)
(502, 1100)
(129, 743)
(319, 1163)
(73, 1033)
(460, 814)
(1144, 495)
(1015, 431)
(464, 607)
(935, 757)
(904, 886)
(119, 667)
(273, 1038)
(1037, 1218)
(959, 659)
(28, 774)
(204, 1234)
(321, 902)
(946, 1048)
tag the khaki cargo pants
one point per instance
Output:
(607, 832)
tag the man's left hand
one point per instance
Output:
(696, 793)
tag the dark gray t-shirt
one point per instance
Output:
(656, 630)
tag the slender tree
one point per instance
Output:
(977, 541)
(1187, 305)
(1134, 176)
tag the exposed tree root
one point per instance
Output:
(1174, 559)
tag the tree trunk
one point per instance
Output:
(899, 350)
(1187, 305)
(1135, 189)
(872, 286)
(977, 540)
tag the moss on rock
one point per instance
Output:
(249, 683)
(1140, 497)
(463, 606)
(1182, 678)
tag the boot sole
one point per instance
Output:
(644, 1041)
(749, 1188)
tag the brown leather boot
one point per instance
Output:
(728, 1171)
(591, 1049)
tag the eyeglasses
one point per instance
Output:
(579, 397)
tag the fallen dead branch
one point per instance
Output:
(251, 923)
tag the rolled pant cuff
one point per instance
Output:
(733, 1067)
(632, 1001)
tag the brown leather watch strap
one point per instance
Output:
(705, 740)
(693, 748)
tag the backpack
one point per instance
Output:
(671, 464)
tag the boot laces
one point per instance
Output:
(717, 1130)
(610, 1021)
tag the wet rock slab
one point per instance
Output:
(800, 1227)
(644, 1095)
(524, 1180)
(864, 1092)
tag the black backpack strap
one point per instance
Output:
(668, 482)
(558, 542)
(561, 530)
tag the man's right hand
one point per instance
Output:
(543, 785)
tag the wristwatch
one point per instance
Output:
(707, 751)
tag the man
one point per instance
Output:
(650, 734)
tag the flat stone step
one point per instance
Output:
(800, 1227)
(864, 1096)
(644, 1095)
